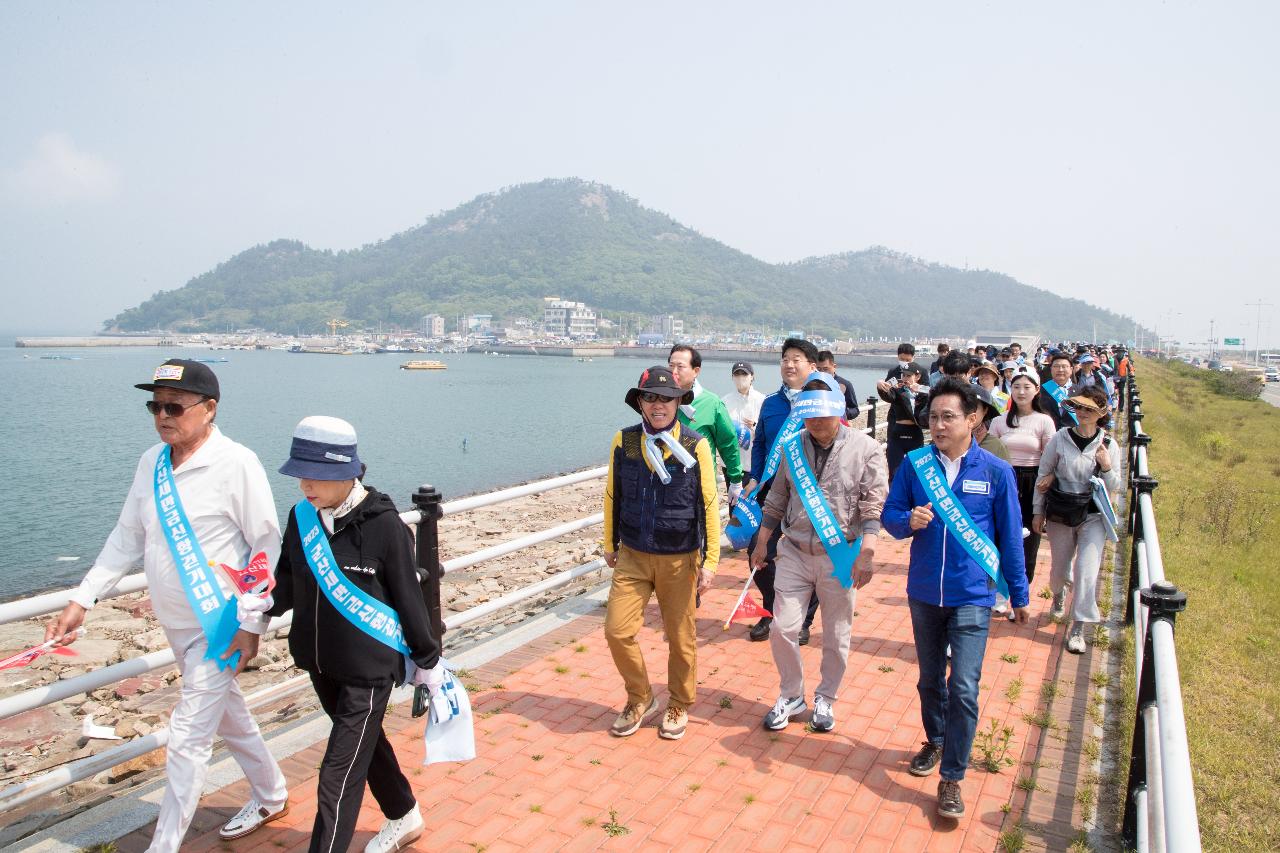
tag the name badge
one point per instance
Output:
(975, 487)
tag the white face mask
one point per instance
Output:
(742, 381)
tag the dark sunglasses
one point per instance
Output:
(173, 410)
(650, 397)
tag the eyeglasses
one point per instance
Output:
(944, 417)
(173, 410)
(650, 397)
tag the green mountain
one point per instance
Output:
(502, 252)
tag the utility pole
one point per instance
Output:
(1211, 340)
(1257, 332)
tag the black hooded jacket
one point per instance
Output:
(375, 551)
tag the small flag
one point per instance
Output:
(253, 579)
(26, 657)
(748, 609)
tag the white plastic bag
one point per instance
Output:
(451, 734)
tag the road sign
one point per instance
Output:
(1231, 342)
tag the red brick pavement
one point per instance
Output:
(549, 776)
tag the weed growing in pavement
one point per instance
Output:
(562, 669)
(1100, 679)
(1009, 657)
(579, 648)
(107, 847)
(1040, 719)
(774, 737)
(1101, 637)
(1086, 797)
(1045, 592)
(1013, 839)
(535, 808)
(884, 667)
(477, 846)
(498, 686)
(992, 747)
(462, 674)
(1091, 748)
(1005, 808)
(1027, 783)
(537, 756)
(722, 763)
(748, 799)
(726, 702)
(1014, 691)
(1080, 844)
(588, 821)
(1049, 691)
(595, 761)
(693, 788)
(613, 829)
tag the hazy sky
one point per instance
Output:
(1127, 153)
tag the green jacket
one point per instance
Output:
(711, 418)
(993, 445)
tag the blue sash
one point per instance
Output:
(217, 615)
(955, 517)
(841, 552)
(746, 511)
(1058, 393)
(358, 607)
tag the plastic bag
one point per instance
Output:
(451, 734)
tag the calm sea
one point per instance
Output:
(71, 431)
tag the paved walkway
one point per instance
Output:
(549, 776)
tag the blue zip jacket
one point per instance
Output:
(773, 413)
(941, 571)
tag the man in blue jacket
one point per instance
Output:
(799, 359)
(959, 505)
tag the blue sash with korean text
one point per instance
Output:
(746, 513)
(1058, 393)
(217, 614)
(840, 551)
(362, 610)
(955, 517)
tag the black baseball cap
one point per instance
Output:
(658, 380)
(182, 374)
(742, 367)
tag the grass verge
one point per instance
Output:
(1217, 458)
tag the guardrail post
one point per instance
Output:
(427, 500)
(1164, 601)
(871, 415)
(1141, 485)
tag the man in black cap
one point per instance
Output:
(744, 410)
(661, 535)
(198, 499)
(827, 364)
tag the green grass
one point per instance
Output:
(1219, 535)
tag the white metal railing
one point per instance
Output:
(1160, 809)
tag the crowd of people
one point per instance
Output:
(1018, 449)
(1018, 445)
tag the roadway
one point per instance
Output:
(1271, 393)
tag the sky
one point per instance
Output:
(1122, 153)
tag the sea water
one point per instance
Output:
(72, 430)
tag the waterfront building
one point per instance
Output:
(565, 319)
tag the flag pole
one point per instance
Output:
(741, 597)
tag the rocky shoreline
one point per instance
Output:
(120, 628)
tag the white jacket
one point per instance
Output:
(1073, 467)
(228, 501)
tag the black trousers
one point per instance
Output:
(358, 751)
(1026, 478)
(764, 577)
(903, 438)
(1121, 381)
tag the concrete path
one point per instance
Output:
(549, 776)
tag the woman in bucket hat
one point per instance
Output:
(661, 536)
(360, 627)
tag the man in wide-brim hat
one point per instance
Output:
(198, 499)
(661, 535)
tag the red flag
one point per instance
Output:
(26, 657)
(748, 609)
(255, 578)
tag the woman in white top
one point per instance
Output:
(1025, 431)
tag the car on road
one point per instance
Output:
(1272, 375)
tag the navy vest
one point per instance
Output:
(648, 515)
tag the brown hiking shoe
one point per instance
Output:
(949, 802)
(632, 718)
(673, 723)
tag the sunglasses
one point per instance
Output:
(173, 410)
(650, 397)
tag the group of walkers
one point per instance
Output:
(1018, 449)
(1015, 442)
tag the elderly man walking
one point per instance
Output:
(661, 535)
(827, 497)
(198, 499)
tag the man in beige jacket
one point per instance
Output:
(849, 471)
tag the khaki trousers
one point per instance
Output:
(674, 577)
(800, 575)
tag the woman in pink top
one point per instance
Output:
(1025, 430)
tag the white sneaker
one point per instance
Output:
(253, 815)
(783, 710)
(397, 833)
(1075, 641)
(1002, 605)
(1059, 604)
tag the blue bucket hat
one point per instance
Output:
(820, 404)
(323, 448)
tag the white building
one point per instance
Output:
(432, 326)
(566, 319)
(666, 325)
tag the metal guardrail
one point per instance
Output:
(428, 509)
(1160, 809)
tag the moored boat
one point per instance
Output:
(424, 364)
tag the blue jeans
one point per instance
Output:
(949, 705)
